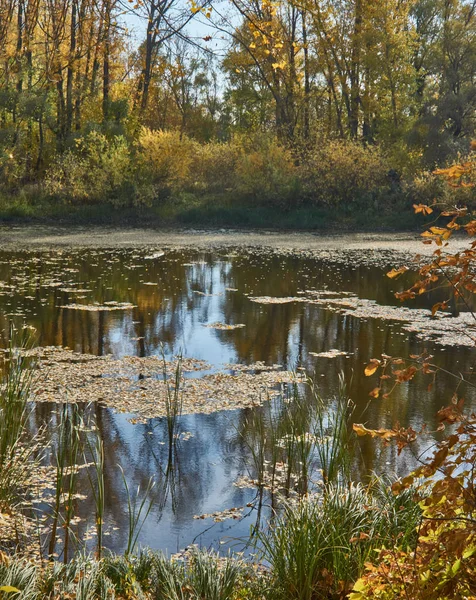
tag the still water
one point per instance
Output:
(175, 295)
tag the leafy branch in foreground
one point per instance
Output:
(443, 563)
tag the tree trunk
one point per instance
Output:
(355, 72)
(70, 71)
(307, 85)
(106, 82)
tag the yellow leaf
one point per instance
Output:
(438, 230)
(9, 589)
(359, 586)
(372, 367)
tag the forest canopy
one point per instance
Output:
(288, 101)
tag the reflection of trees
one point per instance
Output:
(170, 313)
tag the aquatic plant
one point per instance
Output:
(96, 450)
(66, 457)
(16, 456)
(292, 436)
(173, 406)
(333, 434)
(139, 506)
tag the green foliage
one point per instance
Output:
(198, 575)
(17, 457)
(344, 172)
(318, 547)
(266, 172)
(255, 168)
(97, 169)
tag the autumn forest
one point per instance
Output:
(284, 104)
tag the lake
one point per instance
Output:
(228, 308)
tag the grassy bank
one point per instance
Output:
(207, 213)
(165, 179)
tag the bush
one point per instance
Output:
(265, 171)
(166, 160)
(97, 169)
(343, 172)
(256, 168)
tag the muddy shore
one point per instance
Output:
(44, 237)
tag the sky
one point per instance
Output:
(198, 29)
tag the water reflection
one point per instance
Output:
(174, 296)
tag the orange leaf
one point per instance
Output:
(422, 208)
(396, 272)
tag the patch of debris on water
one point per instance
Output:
(224, 326)
(219, 516)
(136, 385)
(442, 328)
(332, 353)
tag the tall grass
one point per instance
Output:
(317, 547)
(173, 407)
(332, 433)
(200, 575)
(290, 439)
(67, 454)
(139, 506)
(16, 455)
(96, 450)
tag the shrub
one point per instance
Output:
(442, 563)
(97, 169)
(215, 168)
(166, 160)
(256, 168)
(343, 172)
(265, 171)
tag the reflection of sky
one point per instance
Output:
(169, 313)
(206, 466)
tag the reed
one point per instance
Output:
(17, 457)
(139, 506)
(66, 457)
(332, 432)
(96, 452)
(297, 440)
